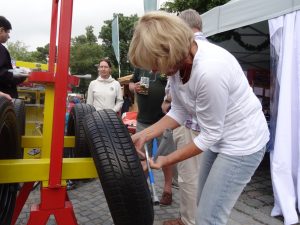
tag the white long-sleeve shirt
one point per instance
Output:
(105, 94)
(219, 96)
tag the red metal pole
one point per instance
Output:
(61, 81)
(22, 197)
(53, 34)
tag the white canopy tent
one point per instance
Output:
(254, 35)
(239, 13)
(250, 20)
(284, 22)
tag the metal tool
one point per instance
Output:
(151, 178)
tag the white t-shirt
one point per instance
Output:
(219, 96)
(105, 94)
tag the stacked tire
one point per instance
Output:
(11, 129)
(19, 107)
(75, 128)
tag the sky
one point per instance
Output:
(31, 19)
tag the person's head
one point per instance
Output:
(161, 42)
(5, 28)
(192, 18)
(104, 68)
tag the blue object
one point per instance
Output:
(151, 178)
(154, 147)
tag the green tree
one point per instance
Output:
(85, 54)
(19, 51)
(200, 6)
(41, 54)
(203, 6)
(126, 25)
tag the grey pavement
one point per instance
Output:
(253, 207)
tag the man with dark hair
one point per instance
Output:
(5, 23)
(8, 82)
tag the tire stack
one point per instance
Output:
(75, 128)
(12, 127)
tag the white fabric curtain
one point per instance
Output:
(285, 157)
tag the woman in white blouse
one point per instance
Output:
(208, 83)
(105, 92)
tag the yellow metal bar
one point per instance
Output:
(23, 170)
(77, 168)
(38, 97)
(45, 183)
(69, 141)
(32, 65)
(26, 170)
(37, 141)
(48, 121)
(32, 141)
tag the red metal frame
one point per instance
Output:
(53, 34)
(54, 201)
(54, 198)
(22, 197)
(61, 82)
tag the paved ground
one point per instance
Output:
(253, 207)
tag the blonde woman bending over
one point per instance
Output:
(207, 82)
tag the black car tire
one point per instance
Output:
(119, 169)
(75, 128)
(9, 149)
(19, 107)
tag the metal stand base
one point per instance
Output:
(54, 202)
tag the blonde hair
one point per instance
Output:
(160, 41)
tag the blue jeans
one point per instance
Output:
(222, 178)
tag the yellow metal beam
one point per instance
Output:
(37, 141)
(69, 141)
(32, 65)
(26, 170)
(48, 121)
(32, 141)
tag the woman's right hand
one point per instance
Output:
(139, 140)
